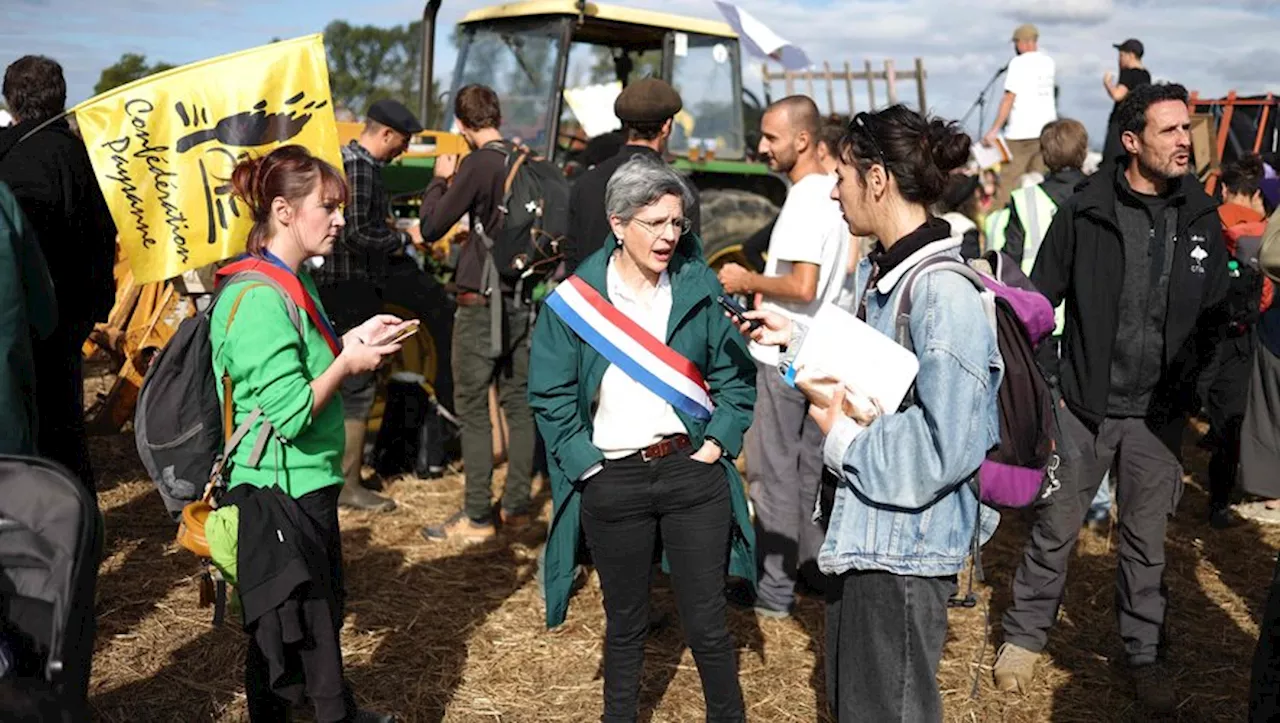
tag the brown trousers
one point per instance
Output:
(1025, 159)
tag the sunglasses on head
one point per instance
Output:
(859, 121)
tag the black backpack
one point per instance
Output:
(1244, 278)
(51, 536)
(178, 425)
(535, 217)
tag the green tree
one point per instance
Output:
(130, 67)
(368, 64)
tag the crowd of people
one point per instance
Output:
(645, 391)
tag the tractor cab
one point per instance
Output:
(557, 66)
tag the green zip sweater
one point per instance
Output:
(272, 367)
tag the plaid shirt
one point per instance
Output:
(367, 239)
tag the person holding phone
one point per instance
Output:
(904, 514)
(295, 200)
(643, 389)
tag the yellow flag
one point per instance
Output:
(163, 148)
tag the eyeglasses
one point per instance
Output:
(858, 120)
(656, 228)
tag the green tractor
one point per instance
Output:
(540, 54)
(535, 54)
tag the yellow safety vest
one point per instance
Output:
(1035, 210)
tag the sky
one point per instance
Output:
(1210, 48)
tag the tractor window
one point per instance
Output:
(705, 72)
(517, 60)
(590, 71)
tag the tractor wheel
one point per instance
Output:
(729, 217)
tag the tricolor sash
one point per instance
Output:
(644, 358)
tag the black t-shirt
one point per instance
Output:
(1131, 78)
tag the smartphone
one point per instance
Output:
(409, 329)
(739, 314)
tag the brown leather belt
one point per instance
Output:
(472, 298)
(667, 447)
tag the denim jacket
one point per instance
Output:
(902, 504)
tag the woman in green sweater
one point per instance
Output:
(295, 200)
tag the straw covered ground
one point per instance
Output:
(441, 633)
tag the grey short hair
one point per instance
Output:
(640, 182)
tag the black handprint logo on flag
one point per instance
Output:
(247, 129)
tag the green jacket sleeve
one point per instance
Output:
(264, 354)
(553, 396)
(26, 305)
(731, 374)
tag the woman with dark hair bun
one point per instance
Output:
(904, 518)
(290, 381)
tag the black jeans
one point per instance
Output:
(60, 401)
(1228, 396)
(626, 508)
(264, 705)
(885, 634)
(1264, 689)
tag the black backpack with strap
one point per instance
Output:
(535, 218)
(180, 425)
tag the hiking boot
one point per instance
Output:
(357, 497)
(1014, 668)
(514, 521)
(460, 527)
(1154, 689)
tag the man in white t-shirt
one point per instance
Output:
(806, 267)
(1029, 104)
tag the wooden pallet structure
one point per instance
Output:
(850, 78)
(143, 319)
(1212, 125)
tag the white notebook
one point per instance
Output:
(869, 363)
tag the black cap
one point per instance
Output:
(647, 101)
(1131, 45)
(395, 116)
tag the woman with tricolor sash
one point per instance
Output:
(643, 390)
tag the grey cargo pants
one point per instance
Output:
(784, 470)
(1148, 488)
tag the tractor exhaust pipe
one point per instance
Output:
(428, 59)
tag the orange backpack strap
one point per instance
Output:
(515, 168)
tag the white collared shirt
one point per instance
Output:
(629, 417)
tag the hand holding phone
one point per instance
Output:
(399, 334)
(739, 313)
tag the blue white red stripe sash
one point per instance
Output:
(644, 358)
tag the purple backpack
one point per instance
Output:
(1021, 317)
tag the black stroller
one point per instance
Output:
(51, 537)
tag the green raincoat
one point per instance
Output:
(27, 308)
(565, 373)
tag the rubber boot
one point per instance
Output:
(354, 494)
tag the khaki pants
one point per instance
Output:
(1025, 158)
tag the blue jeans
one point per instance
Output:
(1100, 508)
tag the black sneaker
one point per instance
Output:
(1154, 689)
(1220, 518)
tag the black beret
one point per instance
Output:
(395, 116)
(647, 101)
